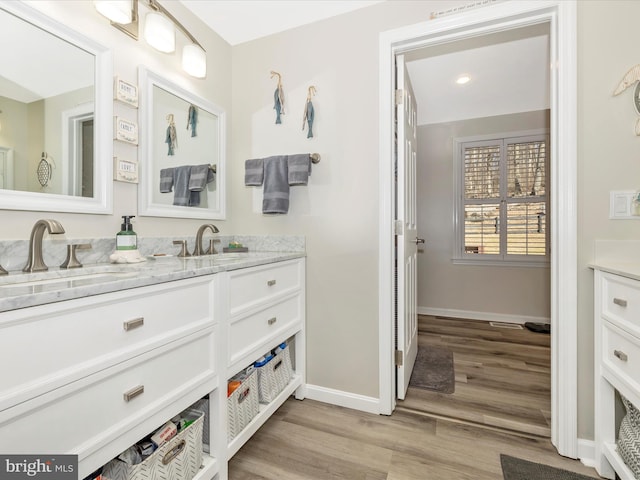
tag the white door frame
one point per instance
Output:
(561, 15)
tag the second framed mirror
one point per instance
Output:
(182, 152)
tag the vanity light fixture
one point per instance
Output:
(159, 30)
(462, 79)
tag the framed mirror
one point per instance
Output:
(55, 116)
(182, 152)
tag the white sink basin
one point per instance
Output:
(54, 279)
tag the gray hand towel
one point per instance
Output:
(253, 172)
(166, 180)
(276, 185)
(181, 193)
(299, 169)
(199, 177)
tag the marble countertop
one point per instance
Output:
(20, 290)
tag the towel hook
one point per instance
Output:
(315, 158)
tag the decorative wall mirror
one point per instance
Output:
(55, 116)
(182, 152)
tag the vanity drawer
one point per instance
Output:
(55, 344)
(82, 416)
(621, 354)
(248, 333)
(621, 301)
(254, 286)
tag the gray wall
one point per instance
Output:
(503, 293)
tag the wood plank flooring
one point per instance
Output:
(503, 375)
(309, 440)
(315, 441)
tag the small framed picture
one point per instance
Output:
(125, 130)
(125, 92)
(125, 170)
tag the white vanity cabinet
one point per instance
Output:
(616, 360)
(92, 376)
(265, 307)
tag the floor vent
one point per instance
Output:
(513, 326)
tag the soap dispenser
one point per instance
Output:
(126, 244)
(126, 238)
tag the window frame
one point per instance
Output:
(459, 255)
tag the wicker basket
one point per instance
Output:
(275, 375)
(629, 438)
(242, 404)
(178, 459)
(203, 405)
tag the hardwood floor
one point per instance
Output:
(503, 375)
(315, 441)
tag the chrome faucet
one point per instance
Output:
(36, 262)
(199, 249)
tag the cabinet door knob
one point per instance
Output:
(620, 301)
(135, 323)
(621, 355)
(271, 321)
(133, 393)
(271, 283)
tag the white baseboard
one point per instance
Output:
(587, 452)
(485, 316)
(343, 399)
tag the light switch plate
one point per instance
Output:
(621, 205)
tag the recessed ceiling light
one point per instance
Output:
(462, 79)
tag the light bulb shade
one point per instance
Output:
(159, 32)
(118, 11)
(194, 61)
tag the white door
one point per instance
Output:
(406, 230)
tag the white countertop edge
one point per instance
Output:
(152, 272)
(624, 269)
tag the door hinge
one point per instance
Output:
(399, 358)
(397, 227)
(399, 96)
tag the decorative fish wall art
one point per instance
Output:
(278, 97)
(309, 112)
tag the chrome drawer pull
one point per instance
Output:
(133, 393)
(620, 301)
(271, 283)
(621, 355)
(135, 323)
(271, 321)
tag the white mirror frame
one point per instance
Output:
(101, 203)
(146, 207)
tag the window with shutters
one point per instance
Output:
(502, 199)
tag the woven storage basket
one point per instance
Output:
(242, 404)
(629, 438)
(178, 459)
(203, 405)
(274, 376)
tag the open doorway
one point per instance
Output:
(503, 16)
(482, 204)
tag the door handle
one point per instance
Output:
(419, 240)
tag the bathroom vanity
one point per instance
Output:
(95, 361)
(616, 356)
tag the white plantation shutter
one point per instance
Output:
(504, 199)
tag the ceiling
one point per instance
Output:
(239, 21)
(509, 70)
